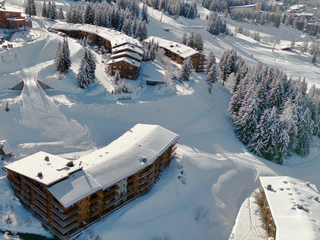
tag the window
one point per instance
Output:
(119, 67)
(113, 70)
(130, 68)
(114, 66)
(130, 76)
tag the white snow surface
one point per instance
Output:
(295, 207)
(202, 190)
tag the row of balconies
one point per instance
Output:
(64, 216)
(118, 200)
(66, 222)
(147, 172)
(64, 230)
(39, 191)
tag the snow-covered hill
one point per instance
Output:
(200, 194)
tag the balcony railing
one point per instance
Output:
(39, 199)
(34, 188)
(118, 200)
(147, 172)
(109, 197)
(14, 185)
(62, 215)
(67, 229)
(16, 180)
(95, 205)
(67, 222)
(94, 214)
(94, 200)
(38, 205)
(39, 212)
(55, 203)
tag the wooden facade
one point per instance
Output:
(312, 28)
(126, 70)
(198, 59)
(66, 223)
(267, 216)
(12, 19)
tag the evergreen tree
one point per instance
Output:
(88, 14)
(134, 26)
(87, 68)
(186, 69)
(144, 13)
(184, 39)
(60, 14)
(53, 14)
(211, 60)
(30, 8)
(44, 9)
(141, 31)
(62, 61)
(57, 57)
(48, 9)
(198, 42)
(190, 41)
(212, 76)
(116, 78)
(127, 27)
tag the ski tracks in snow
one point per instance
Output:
(40, 112)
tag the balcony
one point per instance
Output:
(94, 200)
(39, 199)
(39, 191)
(147, 172)
(39, 206)
(22, 197)
(64, 216)
(56, 203)
(110, 196)
(67, 222)
(16, 180)
(37, 210)
(95, 214)
(14, 185)
(95, 205)
(66, 229)
(117, 200)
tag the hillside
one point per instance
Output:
(201, 192)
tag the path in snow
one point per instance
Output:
(40, 112)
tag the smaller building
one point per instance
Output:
(312, 28)
(128, 68)
(179, 52)
(290, 207)
(300, 24)
(5, 150)
(11, 18)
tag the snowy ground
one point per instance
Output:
(200, 194)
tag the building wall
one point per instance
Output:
(126, 70)
(4, 23)
(67, 222)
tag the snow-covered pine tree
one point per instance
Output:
(211, 60)
(276, 93)
(82, 77)
(144, 13)
(141, 31)
(242, 70)
(44, 9)
(62, 61)
(134, 26)
(57, 57)
(304, 45)
(48, 9)
(190, 41)
(60, 14)
(127, 27)
(88, 13)
(198, 42)
(91, 66)
(53, 14)
(186, 69)
(30, 8)
(116, 78)
(212, 76)
(184, 39)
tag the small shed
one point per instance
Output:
(5, 149)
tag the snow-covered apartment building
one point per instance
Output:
(290, 208)
(70, 195)
(128, 63)
(179, 52)
(11, 18)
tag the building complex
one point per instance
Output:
(128, 63)
(179, 52)
(11, 18)
(68, 196)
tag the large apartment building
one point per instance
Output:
(68, 196)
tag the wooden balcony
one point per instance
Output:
(22, 197)
(16, 181)
(147, 172)
(95, 205)
(110, 196)
(14, 185)
(63, 230)
(40, 199)
(95, 214)
(39, 206)
(94, 200)
(39, 191)
(67, 222)
(56, 203)
(118, 200)
(64, 216)
(37, 210)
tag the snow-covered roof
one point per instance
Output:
(295, 207)
(296, 7)
(76, 187)
(124, 39)
(127, 47)
(52, 170)
(115, 37)
(100, 169)
(177, 48)
(123, 157)
(6, 147)
(128, 53)
(125, 59)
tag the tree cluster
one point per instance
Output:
(186, 69)
(86, 74)
(215, 25)
(267, 18)
(150, 50)
(62, 60)
(229, 63)
(274, 115)
(30, 8)
(194, 40)
(175, 7)
(50, 11)
(222, 5)
(123, 16)
(120, 86)
(211, 70)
